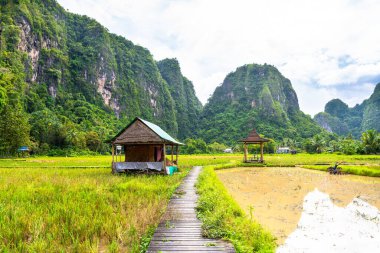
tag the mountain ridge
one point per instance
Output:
(339, 118)
(76, 76)
(255, 96)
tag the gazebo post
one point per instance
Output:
(113, 152)
(261, 151)
(176, 156)
(164, 158)
(125, 153)
(245, 152)
(172, 152)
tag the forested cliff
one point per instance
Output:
(340, 119)
(255, 96)
(67, 82)
(187, 106)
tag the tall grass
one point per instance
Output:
(191, 160)
(56, 204)
(65, 204)
(361, 170)
(223, 218)
(81, 210)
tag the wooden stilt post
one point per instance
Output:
(125, 153)
(113, 152)
(245, 152)
(172, 154)
(261, 152)
(113, 158)
(176, 156)
(164, 159)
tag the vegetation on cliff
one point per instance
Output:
(340, 119)
(66, 82)
(255, 96)
(187, 106)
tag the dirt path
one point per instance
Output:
(276, 194)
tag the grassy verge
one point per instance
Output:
(223, 218)
(80, 210)
(361, 170)
(56, 204)
(75, 204)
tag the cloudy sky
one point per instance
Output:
(327, 48)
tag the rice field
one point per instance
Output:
(75, 204)
(79, 210)
(275, 195)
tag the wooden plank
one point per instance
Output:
(187, 243)
(188, 248)
(180, 230)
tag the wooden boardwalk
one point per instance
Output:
(180, 230)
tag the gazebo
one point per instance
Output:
(145, 146)
(253, 138)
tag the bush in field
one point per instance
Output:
(216, 148)
(349, 146)
(194, 146)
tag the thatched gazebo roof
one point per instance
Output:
(254, 138)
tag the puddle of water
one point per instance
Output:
(277, 194)
(325, 227)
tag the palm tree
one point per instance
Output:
(371, 141)
(319, 143)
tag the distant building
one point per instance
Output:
(283, 150)
(23, 151)
(228, 150)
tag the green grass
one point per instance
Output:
(105, 161)
(361, 170)
(79, 210)
(314, 159)
(74, 204)
(223, 218)
(56, 204)
(191, 160)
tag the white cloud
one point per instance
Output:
(306, 40)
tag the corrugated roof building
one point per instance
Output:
(144, 145)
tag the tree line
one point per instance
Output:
(369, 143)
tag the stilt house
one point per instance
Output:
(145, 145)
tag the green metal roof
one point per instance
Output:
(158, 130)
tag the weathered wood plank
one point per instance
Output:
(180, 230)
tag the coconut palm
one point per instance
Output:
(371, 141)
(319, 143)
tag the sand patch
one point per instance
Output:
(276, 194)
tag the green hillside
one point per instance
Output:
(70, 83)
(255, 96)
(340, 119)
(187, 106)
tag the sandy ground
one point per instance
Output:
(275, 195)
